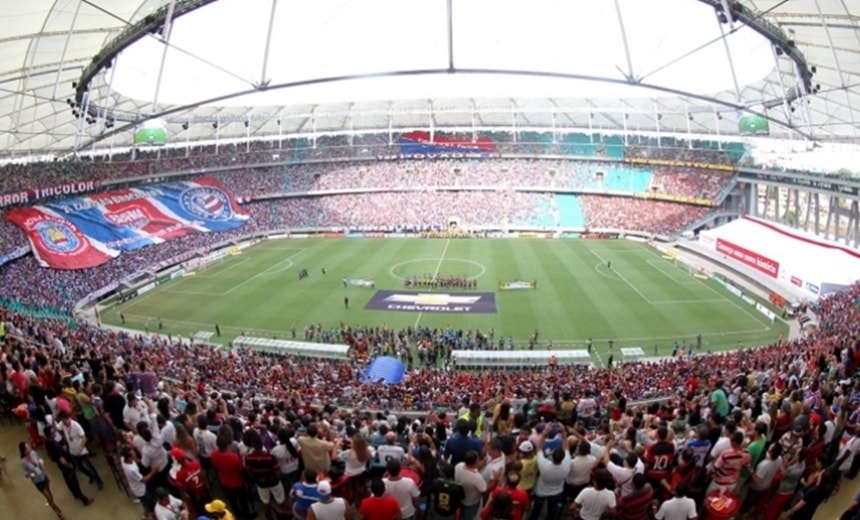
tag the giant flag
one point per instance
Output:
(82, 232)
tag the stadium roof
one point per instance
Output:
(329, 65)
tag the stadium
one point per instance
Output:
(265, 219)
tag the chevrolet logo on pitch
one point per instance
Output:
(413, 301)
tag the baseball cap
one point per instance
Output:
(178, 454)
(527, 447)
(324, 488)
(216, 506)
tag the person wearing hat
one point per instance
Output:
(217, 510)
(329, 507)
(190, 481)
(168, 507)
(529, 471)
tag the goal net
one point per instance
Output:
(691, 267)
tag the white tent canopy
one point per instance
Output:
(675, 46)
(792, 256)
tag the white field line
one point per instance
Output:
(219, 272)
(623, 279)
(435, 274)
(731, 301)
(268, 270)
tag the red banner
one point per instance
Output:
(750, 258)
(796, 281)
(56, 242)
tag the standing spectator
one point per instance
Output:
(592, 502)
(727, 468)
(529, 471)
(404, 490)
(136, 480)
(813, 496)
(34, 469)
(329, 507)
(637, 504)
(499, 508)
(155, 457)
(719, 401)
(135, 411)
(494, 466)
(168, 507)
(461, 443)
(76, 441)
(446, 495)
(64, 460)
(679, 507)
(660, 457)
(316, 453)
(581, 467)
(287, 453)
(391, 450)
(217, 510)
(264, 471)
(519, 499)
(191, 481)
(550, 483)
(207, 443)
(762, 478)
(230, 470)
(474, 486)
(305, 493)
(378, 506)
(792, 471)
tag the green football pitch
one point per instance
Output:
(642, 300)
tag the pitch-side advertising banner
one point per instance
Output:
(84, 232)
(750, 258)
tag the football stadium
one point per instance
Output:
(430, 259)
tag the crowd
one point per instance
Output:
(663, 218)
(297, 432)
(116, 166)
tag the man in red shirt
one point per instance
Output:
(660, 458)
(520, 501)
(191, 481)
(230, 470)
(377, 506)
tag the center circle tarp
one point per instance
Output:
(387, 369)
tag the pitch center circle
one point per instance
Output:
(396, 270)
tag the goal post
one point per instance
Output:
(691, 267)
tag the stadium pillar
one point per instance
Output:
(165, 36)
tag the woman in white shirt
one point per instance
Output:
(357, 458)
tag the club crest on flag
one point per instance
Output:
(58, 236)
(207, 203)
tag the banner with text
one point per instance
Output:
(750, 258)
(60, 190)
(84, 232)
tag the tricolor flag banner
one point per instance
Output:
(82, 232)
